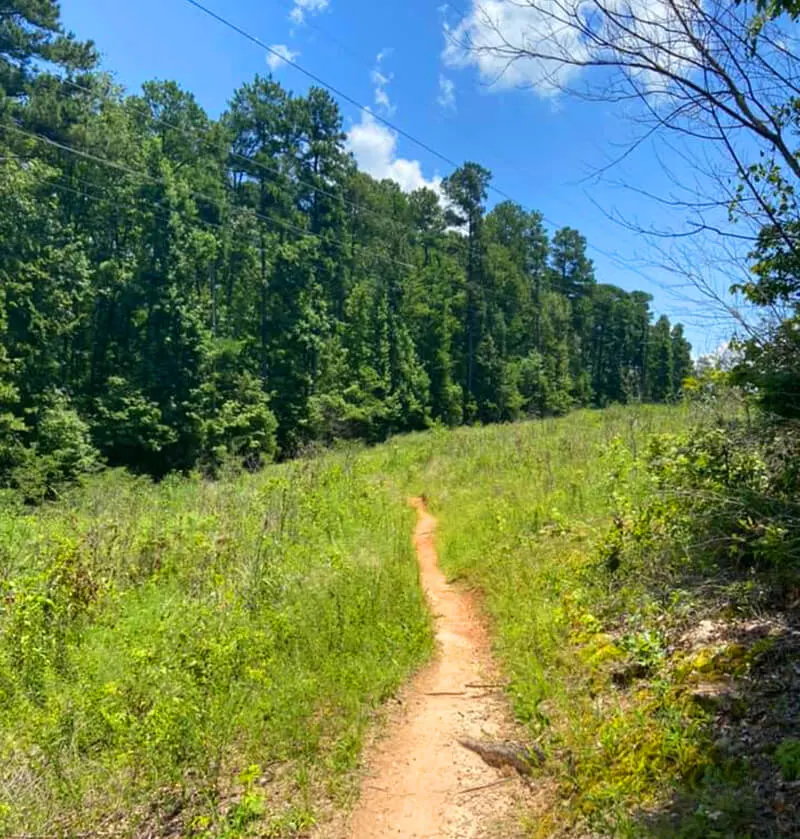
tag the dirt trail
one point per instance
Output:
(420, 781)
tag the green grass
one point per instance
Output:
(216, 651)
(207, 654)
(523, 513)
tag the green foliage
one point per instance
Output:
(234, 414)
(787, 756)
(63, 438)
(30, 32)
(235, 288)
(714, 488)
(61, 452)
(771, 367)
(12, 429)
(596, 540)
(156, 639)
(573, 270)
(130, 428)
(769, 352)
(521, 509)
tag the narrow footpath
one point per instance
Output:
(420, 781)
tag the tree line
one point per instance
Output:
(176, 289)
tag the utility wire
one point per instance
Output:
(195, 194)
(317, 80)
(307, 21)
(616, 259)
(265, 167)
(336, 91)
(165, 214)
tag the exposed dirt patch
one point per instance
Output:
(420, 781)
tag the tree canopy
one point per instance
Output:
(176, 290)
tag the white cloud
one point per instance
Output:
(375, 149)
(280, 56)
(491, 36)
(381, 82)
(481, 36)
(382, 100)
(447, 93)
(307, 7)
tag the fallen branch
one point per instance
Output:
(447, 693)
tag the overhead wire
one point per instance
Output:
(254, 39)
(320, 81)
(614, 258)
(307, 21)
(166, 212)
(260, 165)
(195, 193)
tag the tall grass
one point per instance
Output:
(207, 654)
(522, 512)
(205, 657)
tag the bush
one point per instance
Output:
(713, 500)
(63, 440)
(129, 427)
(59, 451)
(237, 423)
(12, 429)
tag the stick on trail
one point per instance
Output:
(418, 773)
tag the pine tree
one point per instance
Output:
(31, 35)
(237, 288)
(467, 189)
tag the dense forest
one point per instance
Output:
(176, 289)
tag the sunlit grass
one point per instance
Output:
(522, 510)
(158, 641)
(218, 649)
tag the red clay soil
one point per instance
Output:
(420, 782)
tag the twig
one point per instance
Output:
(485, 786)
(447, 693)
(489, 685)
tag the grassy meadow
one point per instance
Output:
(523, 512)
(204, 658)
(641, 576)
(198, 658)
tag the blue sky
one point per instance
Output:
(390, 56)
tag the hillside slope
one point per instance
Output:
(640, 568)
(204, 659)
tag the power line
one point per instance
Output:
(167, 210)
(307, 21)
(166, 213)
(614, 258)
(341, 94)
(402, 132)
(317, 80)
(243, 157)
(195, 194)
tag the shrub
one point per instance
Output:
(787, 756)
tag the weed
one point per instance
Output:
(153, 638)
(787, 756)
